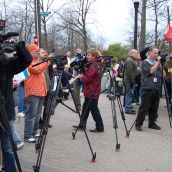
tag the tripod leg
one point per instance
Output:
(122, 114)
(131, 128)
(49, 110)
(169, 108)
(5, 124)
(39, 146)
(74, 133)
(115, 125)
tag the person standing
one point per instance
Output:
(35, 91)
(151, 86)
(8, 68)
(21, 102)
(77, 83)
(91, 78)
(137, 79)
(129, 80)
(43, 55)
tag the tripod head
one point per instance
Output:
(113, 96)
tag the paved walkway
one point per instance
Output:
(146, 151)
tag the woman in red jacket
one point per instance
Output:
(91, 78)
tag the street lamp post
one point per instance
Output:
(136, 7)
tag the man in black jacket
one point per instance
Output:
(8, 68)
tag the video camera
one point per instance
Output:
(107, 61)
(7, 45)
(79, 62)
(163, 56)
(59, 60)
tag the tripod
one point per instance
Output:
(112, 96)
(49, 110)
(78, 112)
(5, 126)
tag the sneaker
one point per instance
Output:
(20, 114)
(20, 145)
(154, 126)
(30, 140)
(36, 135)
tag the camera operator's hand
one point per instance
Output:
(66, 67)
(81, 76)
(159, 59)
(15, 84)
(157, 64)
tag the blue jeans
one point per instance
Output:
(15, 135)
(137, 93)
(21, 101)
(34, 105)
(128, 96)
(8, 155)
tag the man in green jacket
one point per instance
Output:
(129, 79)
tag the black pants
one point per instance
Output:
(91, 105)
(149, 105)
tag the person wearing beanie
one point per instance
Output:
(32, 47)
(35, 91)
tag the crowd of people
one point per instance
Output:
(138, 80)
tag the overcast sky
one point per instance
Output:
(113, 18)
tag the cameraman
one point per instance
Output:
(8, 68)
(77, 84)
(151, 86)
(91, 78)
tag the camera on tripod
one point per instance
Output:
(79, 62)
(7, 44)
(107, 61)
(59, 60)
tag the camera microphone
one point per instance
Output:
(9, 34)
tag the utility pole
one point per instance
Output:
(38, 21)
(136, 6)
(143, 26)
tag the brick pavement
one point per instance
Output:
(147, 151)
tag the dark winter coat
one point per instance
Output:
(8, 68)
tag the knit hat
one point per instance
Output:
(32, 47)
